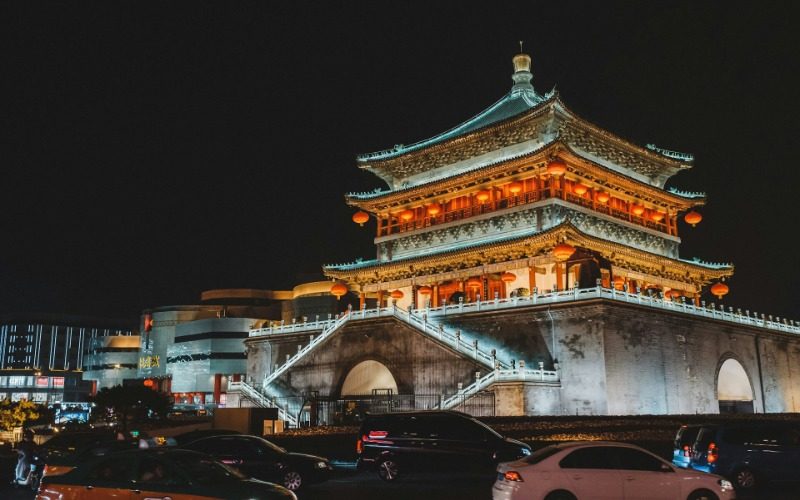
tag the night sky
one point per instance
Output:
(154, 150)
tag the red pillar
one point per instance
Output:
(217, 387)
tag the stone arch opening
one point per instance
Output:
(367, 378)
(734, 390)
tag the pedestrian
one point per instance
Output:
(24, 456)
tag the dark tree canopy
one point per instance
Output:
(136, 403)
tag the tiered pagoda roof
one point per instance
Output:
(512, 139)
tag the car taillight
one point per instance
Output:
(377, 437)
(512, 475)
(686, 450)
(713, 451)
(359, 446)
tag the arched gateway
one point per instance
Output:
(734, 391)
(367, 377)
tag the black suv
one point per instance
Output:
(749, 454)
(432, 440)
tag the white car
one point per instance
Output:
(603, 470)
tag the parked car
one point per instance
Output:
(684, 445)
(162, 473)
(392, 443)
(259, 458)
(749, 454)
(603, 470)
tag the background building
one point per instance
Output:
(43, 357)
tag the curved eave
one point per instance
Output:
(380, 200)
(566, 123)
(528, 246)
(632, 147)
(518, 102)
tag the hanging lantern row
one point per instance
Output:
(556, 168)
(719, 289)
(692, 218)
(360, 217)
(396, 294)
(339, 290)
(563, 251)
(474, 283)
(508, 277)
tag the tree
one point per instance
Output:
(134, 403)
(16, 414)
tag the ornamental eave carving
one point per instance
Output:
(530, 164)
(532, 246)
(546, 118)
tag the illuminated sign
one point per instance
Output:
(42, 381)
(149, 362)
(148, 322)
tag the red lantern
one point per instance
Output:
(482, 196)
(148, 383)
(556, 168)
(474, 283)
(579, 189)
(637, 209)
(407, 215)
(693, 218)
(360, 217)
(603, 197)
(339, 289)
(396, 295)
(719, 289)
(508, 277)
(619, 282)
(657, 216)
(434, 210)
(515, 188)
(563, 251)
(424, 290)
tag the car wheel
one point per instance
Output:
(388, 469)
(744, 479)
(292, 480)
(703, 495)
(560, 495)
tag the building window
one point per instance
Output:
(58, 381)
(16, 381)
(18, 396)
(39, 397)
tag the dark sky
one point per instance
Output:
(154, 150)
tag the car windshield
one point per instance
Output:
(274, 447)
(205, 470)
(542, 453)
(492, 431)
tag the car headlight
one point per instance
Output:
(526, 451)
(321, 465)
(725, 485)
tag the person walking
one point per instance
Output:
(24, 456)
